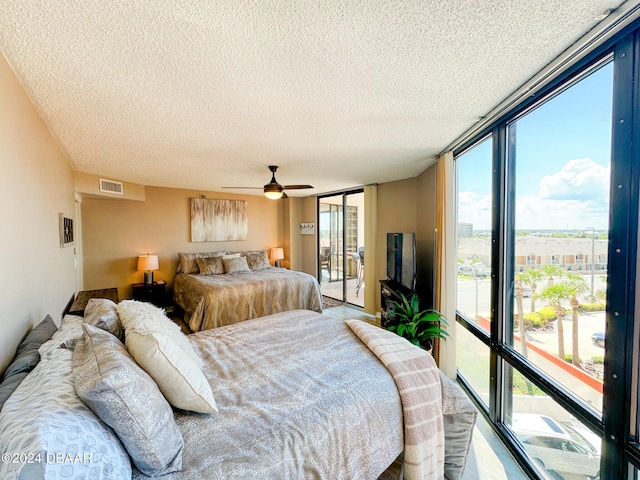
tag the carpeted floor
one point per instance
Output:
(328, 302)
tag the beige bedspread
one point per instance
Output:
(211, 301)
(299, 397)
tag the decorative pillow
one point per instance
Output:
(258, 260)
(142, 317)
(70, 329)
(188, 261)
(233, 265)
(45, 420)
(178, 377)
(210, 265)
(231, 255)
(27, 356)
(40, 334)
(128, 400)
(102, 313)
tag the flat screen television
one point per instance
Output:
(401, 258)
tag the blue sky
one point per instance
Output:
(562, 163)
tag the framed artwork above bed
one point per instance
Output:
(218, 220)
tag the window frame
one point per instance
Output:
(618, 425)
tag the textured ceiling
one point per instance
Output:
(204, 94)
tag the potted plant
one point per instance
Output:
(420, 327)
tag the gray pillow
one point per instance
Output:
(27, 356)
(233, 265)
(102, 313)
(125, 397)
(459, 418)
(40, 334)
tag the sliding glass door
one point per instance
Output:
(341, 246)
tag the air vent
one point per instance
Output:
(110, 186)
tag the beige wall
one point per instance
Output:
(396, 213)
(292, 241)
(115, 232)
(36, 183)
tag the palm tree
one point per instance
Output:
(576, 285)
(534, 276)
(555, 294)
(552, 271)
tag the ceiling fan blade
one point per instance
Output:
(246, 188)
(296, 187)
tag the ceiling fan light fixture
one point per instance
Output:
(273, 192)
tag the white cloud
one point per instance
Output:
(575, 197)
(579, 179)
(536, 213)
(476, 209)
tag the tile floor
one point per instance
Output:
(334, 289)
(488, 458)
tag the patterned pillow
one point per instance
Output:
(188, 261)
(178, 377)
(210, 265)
(9, 385)
(233, 265)
(102, 313)
(142, 317)
(70, 329)
(128, 400)
(45, 420)
(258, 260)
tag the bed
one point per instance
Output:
(298, 395)
(216, 300)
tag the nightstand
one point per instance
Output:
(155, 293)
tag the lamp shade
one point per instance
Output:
(148, 262)
(277, 253)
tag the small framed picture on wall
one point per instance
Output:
(66, 228)
(307, 228)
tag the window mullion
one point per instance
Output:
(499, 267)
(623, 231)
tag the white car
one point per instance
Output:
(559, 448)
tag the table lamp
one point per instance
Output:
(147, 263)
(277, 254)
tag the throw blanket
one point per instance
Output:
(418, 381)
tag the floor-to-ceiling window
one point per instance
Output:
(341, 246)
(473, 299)
(547, 223)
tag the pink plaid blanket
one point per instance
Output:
(416, 375)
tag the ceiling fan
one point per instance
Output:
(273, 189)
